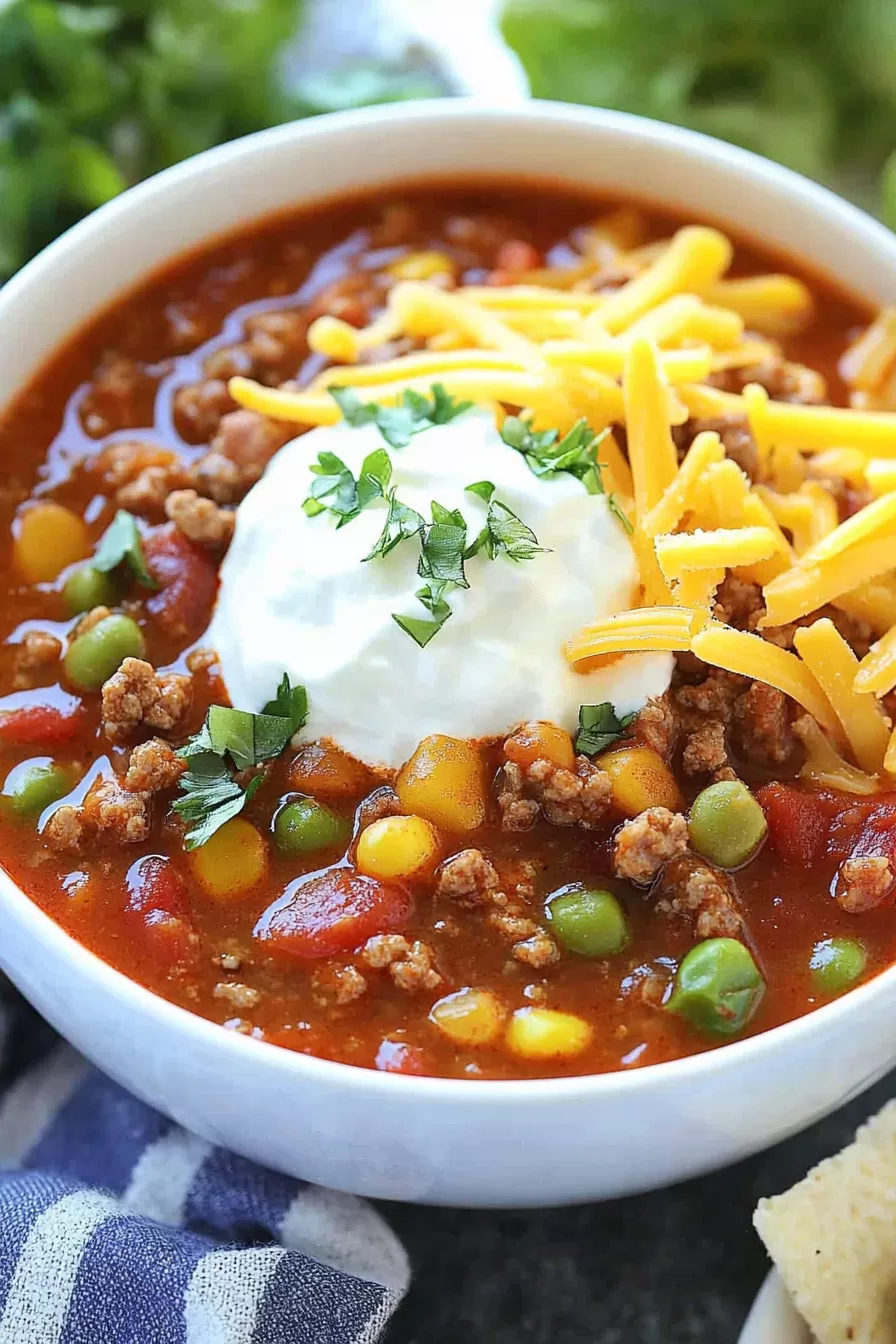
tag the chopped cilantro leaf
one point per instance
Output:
(290, 702)
(334, 488)
(121, 544)
(336, 491)
(228, 741)
(398, 424)
(401, 523)
(505, 534)
(376, 473)
(600, 727)
(442, 554)
(211, 797)
(575, 453)
(484, 489)
(354, 411)
(438, 409)
(420, 630)
(616, 510)
(546, 454)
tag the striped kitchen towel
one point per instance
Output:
(118, 1227)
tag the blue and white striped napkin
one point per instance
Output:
(118, 1227)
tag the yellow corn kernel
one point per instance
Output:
(48, 537)
(469, 1017)
(543, 1033)
(444, 782)
(640, 779)
(540, 741)
(421, 266)
(397, 847)
(232, 862)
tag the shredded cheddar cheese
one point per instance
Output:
(661, 629)
(834, 665)
(877, 670)
(639, 361)
(753, 657)
(682, 551)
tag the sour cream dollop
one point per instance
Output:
(297, 596)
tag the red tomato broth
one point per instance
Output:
(162, 332)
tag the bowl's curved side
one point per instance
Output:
(773, 1318)
(445, 1141)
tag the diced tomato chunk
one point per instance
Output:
(798, 823)
(333, 911)
(29, 725)
(156, 911)
(399, 1057)
(188, 579)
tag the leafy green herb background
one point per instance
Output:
(95, 96)
(811, 83)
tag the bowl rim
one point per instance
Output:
(538, 1091)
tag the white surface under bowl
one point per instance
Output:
(434, 1140)
(773, 1318)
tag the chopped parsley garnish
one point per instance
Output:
(504, 533)
(616, 510)
(401, 524)
(546, 455)
(336, 491)
(121, 544)
(398, 424)
(231, 740)
(600, 727)
(442, 547)
(432, 598)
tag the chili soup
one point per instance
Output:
(450, 632)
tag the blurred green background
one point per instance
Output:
(95, 96)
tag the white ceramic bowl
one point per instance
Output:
(432, 1140)
(773, 1318)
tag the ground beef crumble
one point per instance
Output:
(154, 765)
(338, 984)
(107, 811)
(136, 695)
(468, 878)
(863, 883)
(691, 889)
(657, 726)
(236, 994)
(763, 720)
(646, 843)
(35, 652)
(241, 448)
(735, 434)
(565, 797)
(200, 519)
(411, 965)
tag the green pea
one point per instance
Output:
(304, 825)
(34, 785)
(726, 824)
(836, 963)
(718, 987)
(87, 587)
(588, 921)
(93, 657)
